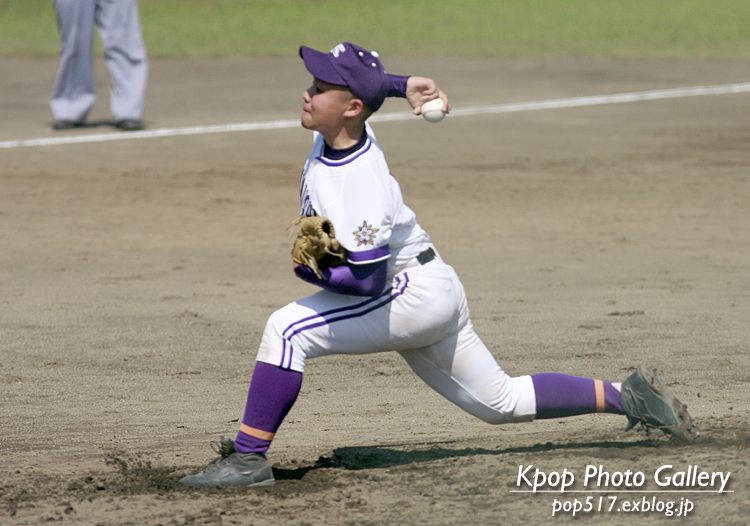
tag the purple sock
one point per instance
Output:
(272, 394)
(559, 395)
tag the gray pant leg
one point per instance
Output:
(120, 30)
(73, 94)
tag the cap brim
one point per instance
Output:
(319, 65)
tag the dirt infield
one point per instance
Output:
(137, 276)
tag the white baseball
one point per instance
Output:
(432, 110)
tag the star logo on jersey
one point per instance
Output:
(365, 234)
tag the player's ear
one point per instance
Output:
(355, 107)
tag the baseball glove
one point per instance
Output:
(647, 401)
(316, 245)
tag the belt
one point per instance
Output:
(426, 256)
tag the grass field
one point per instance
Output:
(596, 28)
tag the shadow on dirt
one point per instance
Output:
(381, 457)
(136, 475)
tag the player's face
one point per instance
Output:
(323, 106)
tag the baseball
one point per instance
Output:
(432, 110)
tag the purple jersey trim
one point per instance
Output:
(346, 160)
(343, 313)
(336, 155)
(369, 256)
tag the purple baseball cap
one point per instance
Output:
(351, 66)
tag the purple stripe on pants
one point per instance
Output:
(345, 313)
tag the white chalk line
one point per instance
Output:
(397, 116)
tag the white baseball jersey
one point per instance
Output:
(364, 202)
(422, 314)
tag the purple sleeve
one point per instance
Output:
(397, 86)
(354, 280)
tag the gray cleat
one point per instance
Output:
(233, 469)
(647, 401)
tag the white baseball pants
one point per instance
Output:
(120, 31)
(424, 316)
